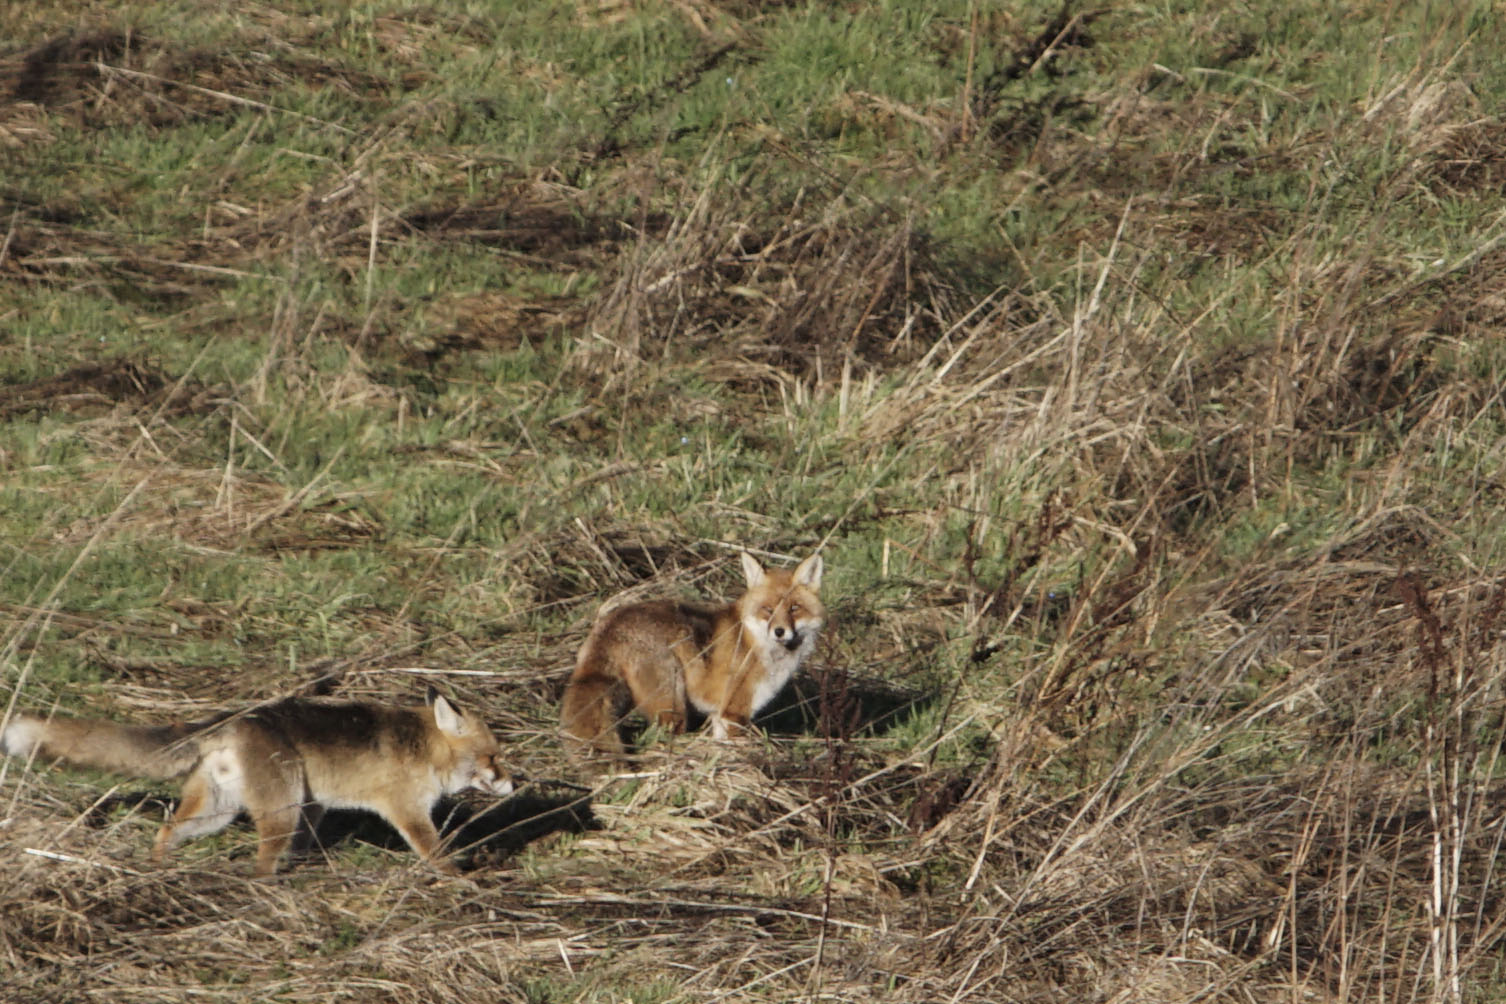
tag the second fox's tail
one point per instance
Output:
(151, 751)
(589, 712)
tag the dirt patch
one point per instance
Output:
(1390, 374)
(107, 76)
(72, 256)
(530, 221)
(1015, 123)
(1204, 230)
(576, 561)
(52, 69)
(87, 388)
(1472, 158)
(826, 288)
(1467, 303)
(491, 322)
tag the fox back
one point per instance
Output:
(728, 662)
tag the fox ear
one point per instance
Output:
(446, 717)
(752, 571)
(808, 572)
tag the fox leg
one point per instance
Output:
(590, 712)
(659, 686)
(659, 695)
(277, 811)
(277, 797)
(725, 726)
(212, 796)
(274, 832)
(728, 717)
(307, 836)
(734, 716)
(663, 714)
(670, 720)
(418, 829)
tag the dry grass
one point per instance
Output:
(1165, 658)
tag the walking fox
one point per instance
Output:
(285, 762)
(727, 662)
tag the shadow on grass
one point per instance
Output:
(869, 706)
(479, 837)
(866, 707)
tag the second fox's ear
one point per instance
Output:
(446, 717)
(808, 572)
(752, 571)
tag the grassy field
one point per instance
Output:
(1136, 368)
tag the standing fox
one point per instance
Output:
(285, 762)
(728, 662)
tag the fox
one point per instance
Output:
(664, 656)
(285, 762)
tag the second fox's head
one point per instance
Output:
(783, 607)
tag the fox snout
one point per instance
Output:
(488, 774)
(787, 636)
(492, 778)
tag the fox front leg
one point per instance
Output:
(728, 726)
(421, 835)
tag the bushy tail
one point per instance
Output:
(589, 712)
(151, 751)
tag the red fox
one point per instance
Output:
(285, 762)
(727, 662)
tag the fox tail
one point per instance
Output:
(150, 751)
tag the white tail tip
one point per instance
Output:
(21, 737)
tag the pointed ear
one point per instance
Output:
(446, 717)
(752, 571)
(808, 572)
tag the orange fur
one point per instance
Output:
(663, 656)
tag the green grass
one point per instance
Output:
(1119, 367)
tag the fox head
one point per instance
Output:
(474, 757)
(781, 609)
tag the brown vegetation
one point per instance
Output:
(1169, 670)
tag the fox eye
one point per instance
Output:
(766, 611)
(794, 608)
